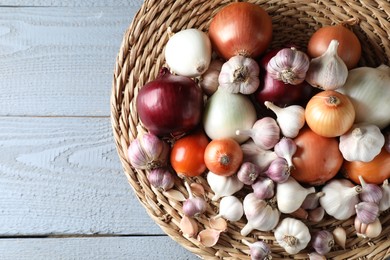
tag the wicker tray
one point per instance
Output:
(141, 57)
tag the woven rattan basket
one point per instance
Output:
(141, 57)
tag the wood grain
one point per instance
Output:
(71, 3)
(63, 176)
(59, 62)
(102, 248)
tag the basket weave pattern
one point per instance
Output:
(142, 55)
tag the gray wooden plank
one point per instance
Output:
(59, 61)
(71, 3)
(118, 248)
(63, 176)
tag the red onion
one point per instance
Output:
(170, 105)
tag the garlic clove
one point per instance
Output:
(197, 189)
(384, 203)
(367, 212)
(322, 241)
(174, 195)
(328, 71)
(209, 237)
(340, 236)
(188, 226)
(209, 80)
(312, 200)
(218, 223)
(316, 215)
(300, 214)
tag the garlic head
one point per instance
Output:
(293, 235)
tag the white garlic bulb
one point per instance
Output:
(223, 186)
(292, 234)
(340, 198)
(261, 215)
(230, 208)
(361, 143)
(290, 195)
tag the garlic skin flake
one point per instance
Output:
(239, 75)
(293, 235)
(328, 71)
(340, 198)
(223, 186)
(290, 195)
(361, 143)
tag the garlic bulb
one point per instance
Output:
(239, 75)
(384, 203)
(361, 143)
(148, 152)
(256, 155)
(263, 188)
(161, 179)
(290, 195)
(290, 119)
(367, 212)
(265, 132)
(370, 192)
(322, 241)
(293, 235)
(259, 250)
(289, 65)
(193, 206)
(340, 198)
(195, 46)
(278, 171)
(209, 80)
(328, 71)
(223, 186)
(230, 208)
(261, 215)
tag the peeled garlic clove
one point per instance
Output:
(322, 241)
(340, 236)
(218, 223)
(230, 208)
(209, 237)
(367, 212)
(259, 250)
(188, 226)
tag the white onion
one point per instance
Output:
(188, 52)
(225, 113)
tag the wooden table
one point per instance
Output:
(63, 194)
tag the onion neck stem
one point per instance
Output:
(333, 101)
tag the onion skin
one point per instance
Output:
(349, 48)
(374, 172)
(317, 158)
(241, 28)
(170, 105)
